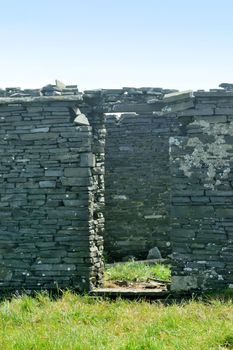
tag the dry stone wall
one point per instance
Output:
(202, 194)
(137, 184)
(51, 194)
(137, 176)
(137, 164)
(52, 144)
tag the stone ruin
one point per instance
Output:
(133, 168)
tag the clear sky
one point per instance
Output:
(114, 43)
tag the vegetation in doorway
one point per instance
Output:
(133, 271)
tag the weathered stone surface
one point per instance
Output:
(47, 164)
(200, 228)
(87, 160)
(177, 96)
(81, 119)
(176, 107)
(138, 108)
(52, 184)
(47, 184)
(183, 283)
(54, 172)
(154, 253)
(137, 182)
(77, 172)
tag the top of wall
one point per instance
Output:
(225, 90)
(60, 89)
(49, 90)
(115, 100)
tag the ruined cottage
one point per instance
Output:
(118, 170)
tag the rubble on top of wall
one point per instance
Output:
(126, 100)
(226, 86)
(130, 99)
(149, 94)
(226, 89)
(58, 89)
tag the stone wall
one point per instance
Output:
(51, 193)
(137, 166)
(137, 184)
(202, 194)
(136, 171)
(52, 184)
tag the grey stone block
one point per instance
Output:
(39, 136)
(87, 160)
(183, 283)
(77, 172)
(81, 119)
(177, 96)
(224, 212)
(47, 184)
(54, 172)
(154, 253)
(73, 181)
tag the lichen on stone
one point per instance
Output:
(212, 156)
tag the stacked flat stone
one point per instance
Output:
(51, 188)
(137, 179)
(138, 100)
(202, 196)
(52, 184)
(137, 184)
(58, 89)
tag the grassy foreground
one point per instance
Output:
(81, 323)
(132, 271)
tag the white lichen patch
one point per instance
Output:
(211, 156)
(174, 141)
(209, 274)
(214, 129)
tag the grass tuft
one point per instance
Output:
(132, 271)
(228, 341)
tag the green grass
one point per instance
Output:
(80, 323)
(132, 271)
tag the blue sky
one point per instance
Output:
(113, 43)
